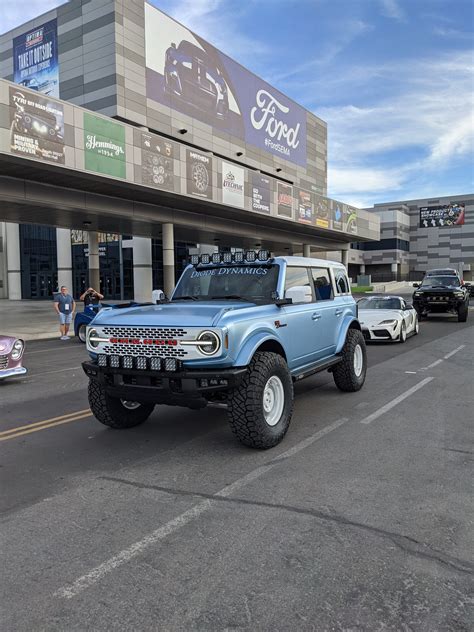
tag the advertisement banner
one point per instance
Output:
(199, 174)
(104, 146)
(447, 215)
(187, 74)
(285, 200)
(261, 193)
(322, 212)
(350, 219)
(337, 215)
(157, 162)
(36, 126)
(304, 206)
(35, 59)
(233, 182)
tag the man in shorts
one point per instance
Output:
(65, 307)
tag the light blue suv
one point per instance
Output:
(240, 329)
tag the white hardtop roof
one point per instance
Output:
(309, 261)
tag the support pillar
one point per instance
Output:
(345, 258)
(168, 259)
(13, 261)
(306, 250)
(64, 258)
(362, 268)
(142, 269)
(94, 270)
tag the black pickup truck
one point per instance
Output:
(441, 294)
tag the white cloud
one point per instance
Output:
(13, 14)
(391, 9)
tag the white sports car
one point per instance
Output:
(387, 318)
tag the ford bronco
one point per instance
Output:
(239, 329)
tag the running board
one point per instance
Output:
(327, 364)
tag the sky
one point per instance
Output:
(393, 79)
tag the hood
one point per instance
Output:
(178, 314)
(375, 316)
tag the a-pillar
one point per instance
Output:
(168, 259)
(13, 261)
(94, 270)
(345, 258)
(142, 269)
(306, 250)
(64, 257)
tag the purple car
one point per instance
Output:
(11, 354)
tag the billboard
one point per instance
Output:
(104, 146)
(187, 74)
(285, 200)
(447, 215)
(261, 193)
(233, 180)
(35, 59)
(157, 162)
(350, 219)
(198, 174)
(36, 126)
(322, 212)
(337, 214)
(304, 206)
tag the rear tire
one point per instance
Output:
(416, 329)
(260, 409)
(349, 374)
(116, 413)
(462, 313)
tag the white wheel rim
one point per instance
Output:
(358, 360)
(82, 333)
(417, 326)
(273, 400)
(403, 332)
(130, 405)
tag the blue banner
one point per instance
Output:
(35, 59)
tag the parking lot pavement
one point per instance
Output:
(358, 520)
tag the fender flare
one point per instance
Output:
(250, 346)
(349, 322)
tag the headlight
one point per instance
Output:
(213, 340)
(92, 333)
(418, 294)
(17, 350)
(388, 322)
(459, 294)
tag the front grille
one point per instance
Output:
(141, 349)
(144, 332)
(3, 361)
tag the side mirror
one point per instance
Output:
(157, 296)
(416, 284)
(299, 294)
(408, 306)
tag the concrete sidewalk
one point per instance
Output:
(29, 320)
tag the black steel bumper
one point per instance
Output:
(446, 304)
(189, 387)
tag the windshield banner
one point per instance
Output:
(187, 74)
(438, 216)
(36, 126)
(35, 59)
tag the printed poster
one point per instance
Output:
(350, 219)
(104, 146)
(261, 193)
(157, 162)
(322, 211)
(337, 215)
(285, 200)
(199, 174)
(233, 180)
(35, 59)
(304, 206)
(36, 126)
(447, 215)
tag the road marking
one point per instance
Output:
(381, 411)
(430, 366)
(411, 372)
(451, 353)
(97, 573)
(43, 425)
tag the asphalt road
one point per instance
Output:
(361, 519)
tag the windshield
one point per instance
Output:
(443, 281)
(379, 303)
(255, 283)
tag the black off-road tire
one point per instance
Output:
(420, 315)
(463, 311)
(111, 412)
(245, 403)
(344, 374)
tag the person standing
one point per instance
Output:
(65, 307)
(91, 297)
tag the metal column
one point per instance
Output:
(168, 259)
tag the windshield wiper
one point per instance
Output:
(185, 298)
(234, 297)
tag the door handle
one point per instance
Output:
(316, 315)
(338, 312)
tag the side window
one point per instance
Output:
(296, 276)
(322, 284)
(342, 284)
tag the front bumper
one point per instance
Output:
(19, 370)
(380, 333)
(181, 388)
(437, 304)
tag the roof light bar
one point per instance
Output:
(216, 257)
(250, 256)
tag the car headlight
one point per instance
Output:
(17, 350)
(213, 343)
(418, 294)
(388, 322)
(459, 294)
(92, 333)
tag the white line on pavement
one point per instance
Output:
(451, 353)
(183, 519)
(446, 357)
(430, 366)
(381, 411)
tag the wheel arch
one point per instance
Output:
(348, 323)
(262, 341)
